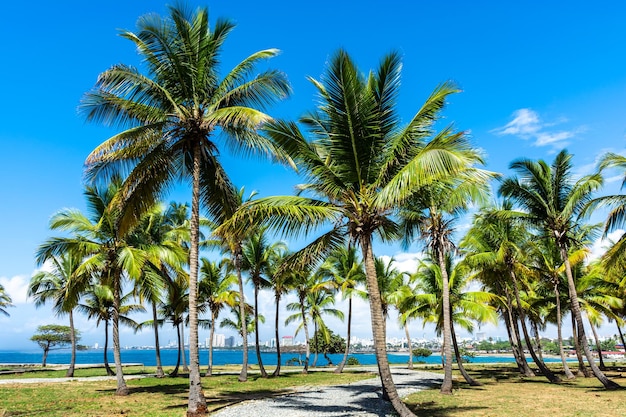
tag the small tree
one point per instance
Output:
(421, 353)
(53, 336)
(333, 344)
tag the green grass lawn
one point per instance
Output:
(505, 393)
(150, 397)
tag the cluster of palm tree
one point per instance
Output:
(367, 176)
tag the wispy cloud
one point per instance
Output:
(16, 287)
(527, 125)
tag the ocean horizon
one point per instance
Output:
(220, 357)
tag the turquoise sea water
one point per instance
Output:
(220, 357)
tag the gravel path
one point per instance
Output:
(362, 398)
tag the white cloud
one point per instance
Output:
(600, 246)
(527, 125)
(16, 287)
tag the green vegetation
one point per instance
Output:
(370, 175)
(53, 336)
(505, 393)
(150, 397)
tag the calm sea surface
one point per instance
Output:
(220, 357)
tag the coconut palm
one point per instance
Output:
(508, 242)
(257, 254)
(553, 201)
(281, 282)
(430, 214)
(466, 306)
(615, 257)
(105, 248)
(63, 286)
(171, 114)
(173, 308)
(346, 270)
(5, 301)
(318, 304)
(306, 285)
(360, 165)
(99, 302)
(215, 290)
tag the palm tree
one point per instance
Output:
(346, 270)
(281, 282)
(615, 257)
(171, 114)
(5, 301)
(466, 306)
(99, 303)
(236, 324)
(159, 236)
(215, 290)
(361, 164)
(257, 254)
(173, 309)
(106, 250)
(553, 201)
(318, 304)
(63, 286)
(430, 214)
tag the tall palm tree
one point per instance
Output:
(106, 250)
(215, 290)
(281, 282)
(346, 270)
(257, 254)
(5, 301)
(553, 200)
(615, 257)
(306, 285)
(318, 304)
(171, 114)
(63, 286)
(173, 309)
(360, 165)
(430, 214)
(466, 306)
(99, 303)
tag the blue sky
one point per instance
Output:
(536, 77)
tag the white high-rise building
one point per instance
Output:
(219, 340)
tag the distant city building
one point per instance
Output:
(272, 343)
(481, 336)
(287, 341)
(229, 341)
(219, 340)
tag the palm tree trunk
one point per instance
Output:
(598, 347)
(157, 349)
(459, 360)
(621, 336)
(378, 329)
(256, 330)
(209, 371)
(542, 366)
(568, 372)
(197, 403)
(182, 344)
(608, 384)
(408, 344)
(537, 339)
(70, 370)
(582, 369)
(276, 324)
(446, 386)
(516, 345)
(175, 371)
(347, 351)
(106, 349)
(122, 389)
(307, 340)
(243, 375)
(317, 347)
